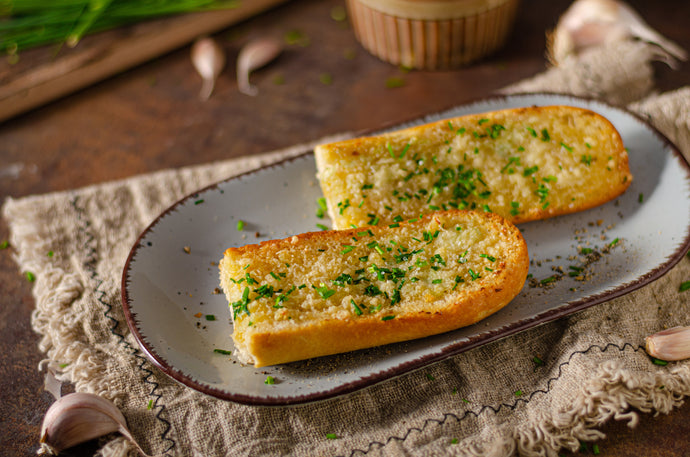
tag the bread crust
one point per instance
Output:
(331, 333)
(579, 156)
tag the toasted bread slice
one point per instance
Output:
(329, 292)
(523, 164)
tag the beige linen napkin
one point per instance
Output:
(493, 400)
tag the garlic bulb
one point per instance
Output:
(672, 344)
(209, 60)
(598, 22)
(255, 55)
(79, 417)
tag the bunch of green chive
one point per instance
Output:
(26, 24)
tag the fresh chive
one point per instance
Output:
(387, 318)
(270, 380)
(199, 202)
(347, 248)
(240, 225)
(394, 82)
(222, 351)
(659, 362)
(322, 227)
(331, 436)
(326, 79)
(210, 317)
(30, 276)
(566, 147)
(5, 244)
(684, 286)
(358, 310)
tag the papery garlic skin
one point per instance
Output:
(209, 60)
(76, 418)
(671, 345)
(589, 23)
(254, 55)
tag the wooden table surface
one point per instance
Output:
(150, 118)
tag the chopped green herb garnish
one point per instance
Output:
(326, 79)
(518, 393)
(545, 135)
(323, 291)
(241, 305)
(548, 280)
(269, 380)
(387, 318)
(5, 244)
(586, 250)
(530, 170)
(240, 225)
(458, 280)
(210, 317)
(347, 248)
(586, 159)
(488, 257)
(199, 202)
(222, 351)
(321, 226)
(514, 211)
(50, 254)
(394, 82)
(436, 281)
(614, 242)
(532, 131)
(640, 198)
(659, 362)
(358, 310)
(30, 276)
(322, 209)
(474, 275)
(149, 406)
(343, 205)
(567, 148)
(331, 436)
(684, 286)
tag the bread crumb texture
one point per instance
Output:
(524, 164)
(328, 292)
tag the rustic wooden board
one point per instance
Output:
(98, 57)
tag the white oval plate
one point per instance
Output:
(164, 288)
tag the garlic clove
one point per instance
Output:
(254, 55)
(670, 345)
(589, 23)
(79, 417)
(209, 60)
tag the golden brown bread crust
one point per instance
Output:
(524, 164)
(312, 326)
